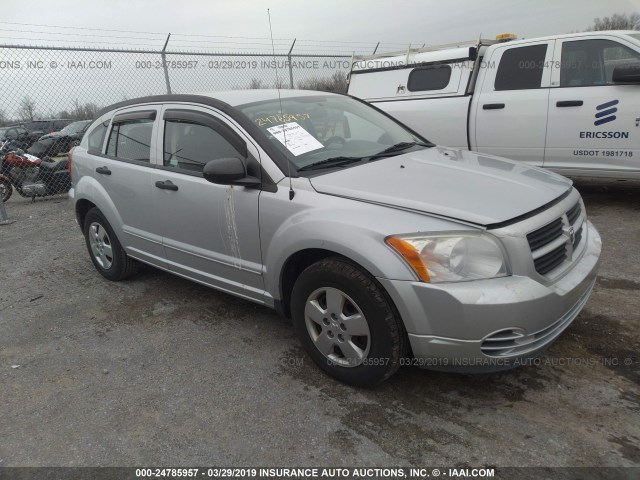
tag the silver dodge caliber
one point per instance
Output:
(382, 248)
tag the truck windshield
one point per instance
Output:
(319, 132)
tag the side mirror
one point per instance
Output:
(628, 73)
(228, 171)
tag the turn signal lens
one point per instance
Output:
(410, 254)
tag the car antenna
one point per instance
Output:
(284, 130)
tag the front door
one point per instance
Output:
(210, 232)
(593, 123)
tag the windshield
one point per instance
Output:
(75, 127)
(329, 131)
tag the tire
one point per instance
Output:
(6, 189)
(347, 323)
(105, 250)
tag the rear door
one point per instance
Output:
(509, 112)
(210, 232)
(593, 123)
(125, 171)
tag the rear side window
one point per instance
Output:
(430, 78)
(591, 62)
(131, 140)
(521, 68)
(188, 146)
(96, 137)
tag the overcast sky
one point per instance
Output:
(398, 22)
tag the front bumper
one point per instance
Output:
(495, 324)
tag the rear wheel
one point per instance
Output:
(347, 323)
(105, 250)
(6, 189)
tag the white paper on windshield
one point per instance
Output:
(298, 140)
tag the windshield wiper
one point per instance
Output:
(398, 147)
(330, 162)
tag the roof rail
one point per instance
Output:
(431, 48)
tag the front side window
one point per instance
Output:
(429, 78)
(591, 62)
(521, 68)
(131, 140)
(188, 146)
(317, 132)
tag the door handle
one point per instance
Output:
(103, 171)
(493, 106)
(569, 103)
(167, 185)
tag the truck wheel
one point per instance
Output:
(105, 250)
(347, 323)
(5, 190)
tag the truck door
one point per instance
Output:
(593, 123)
(509, 113)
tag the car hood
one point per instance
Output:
(463, 185)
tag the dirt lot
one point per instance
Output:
(161, 371)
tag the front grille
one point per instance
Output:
(573, 213)
(545, 235)
(548, 244)
(576, 241)
(551, 260)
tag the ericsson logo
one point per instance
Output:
(605, 112)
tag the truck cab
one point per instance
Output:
(570, 103)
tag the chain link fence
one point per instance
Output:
(49, 93)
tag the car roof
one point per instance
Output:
(240, 97)
(228, 98)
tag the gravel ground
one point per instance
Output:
(159, 371)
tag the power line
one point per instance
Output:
(81, 28)
(78, 41)
(76, 34)
(200, 35)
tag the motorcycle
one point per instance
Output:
(32, 176)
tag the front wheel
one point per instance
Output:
(347, 323)
(6, 189)
(105, 250)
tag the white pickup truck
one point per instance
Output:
(570, 103)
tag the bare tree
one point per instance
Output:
(280, 83)
(27, 110)
(617, 21)
(335, 83)
(3, 118)
(255, 84)
(85, 111)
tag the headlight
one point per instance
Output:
(451, 258)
